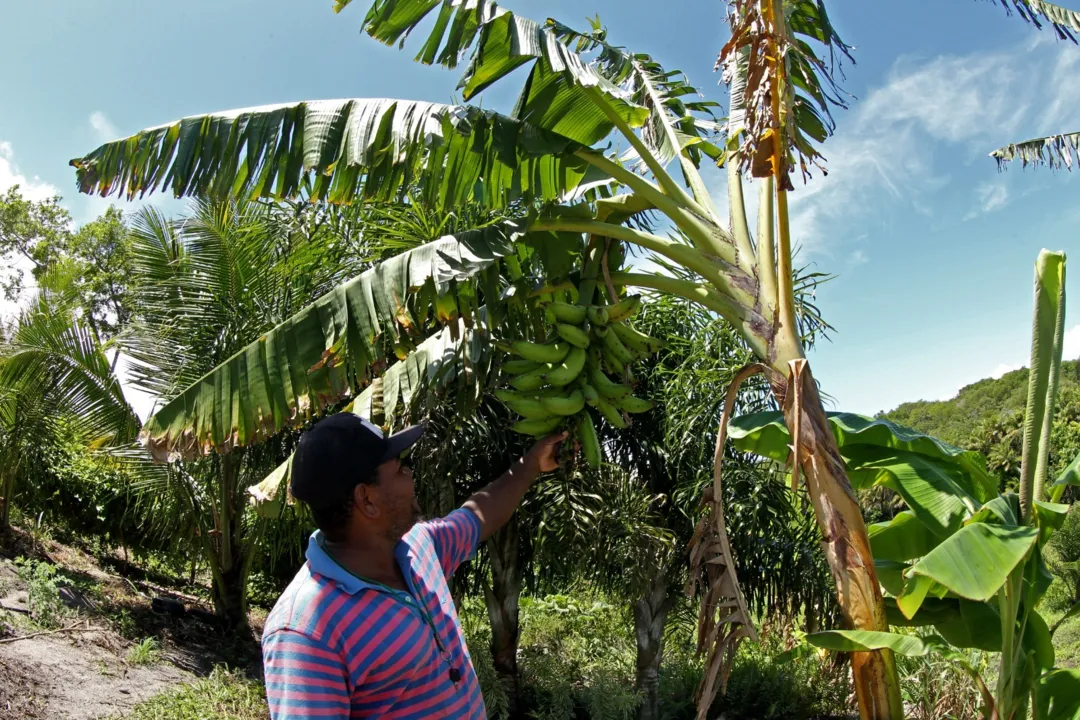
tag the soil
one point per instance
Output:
(83, 674)
(77, 676)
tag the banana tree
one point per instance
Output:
(963, 559)
(546, 159)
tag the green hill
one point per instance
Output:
(987, 416)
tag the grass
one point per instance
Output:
(143, 653)
(223, 695)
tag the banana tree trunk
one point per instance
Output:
(650, 618)
(844, 540)
(501, 597)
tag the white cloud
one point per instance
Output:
(885, 154)
(859, 257)
(1059, 114)
(992, 196)
(1004, 368)
(103, 128)
(1070, 344)
(31, 188)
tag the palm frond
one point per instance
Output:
(374, 149)
(318, 356)
(1064, 21)
(53, 356)
(1055, 151)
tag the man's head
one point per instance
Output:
(354, 479)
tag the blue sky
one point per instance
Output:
(933, 249)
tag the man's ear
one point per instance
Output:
(367, 500)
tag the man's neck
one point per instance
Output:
(371, 558)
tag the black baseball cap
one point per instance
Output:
(340, 451)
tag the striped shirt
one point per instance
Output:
(335, 646)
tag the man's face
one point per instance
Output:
(398, 498)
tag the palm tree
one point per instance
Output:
(53, 369)
(548, 158)
(204, 286)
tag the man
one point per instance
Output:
(368, 629)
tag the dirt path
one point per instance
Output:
(77, 677)
(85, 675)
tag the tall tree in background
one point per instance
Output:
(52, 369)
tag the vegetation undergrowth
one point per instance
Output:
(222, 694)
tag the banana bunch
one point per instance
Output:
(552, 383)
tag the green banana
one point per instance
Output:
(566, 372)
(567, 313)
(573, 335)
(633, 404)
(529, 408)
(624, 309)
(595, 354)
(598, 315)
(525, 406)
(569, 404)
(612, 364)
(505, 395)
(615, 346)
(519, 367)
(599, 331)
(590, 443)
(537, 352)
(536, 427)
(637, 341)
(590, 394)
(532, 380)
(605, 386)
(610, 413)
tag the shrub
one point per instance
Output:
(576, 662)
(1064, 562)
(935, 689)
(43, 592)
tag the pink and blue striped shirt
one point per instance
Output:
(335, 646)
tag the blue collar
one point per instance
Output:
(320, 562)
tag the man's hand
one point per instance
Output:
(545, 450)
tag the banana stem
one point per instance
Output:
(665, 180)
(766, 250)
(684, 255)
(788, 330)
(738, 315)
(593, 254)
(740, 227)
(711, 237)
